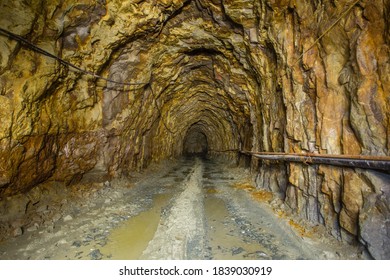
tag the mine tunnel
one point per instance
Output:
(219, 104)
(195, 142)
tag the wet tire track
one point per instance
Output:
(186, 210)
(180, 232)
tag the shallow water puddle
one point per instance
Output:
(224, 240)
(128, 241)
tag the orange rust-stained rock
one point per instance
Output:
(248, 75)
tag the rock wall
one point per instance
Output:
(249, 75)
(336, 101)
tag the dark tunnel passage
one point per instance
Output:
(195, 143)
(95, 92)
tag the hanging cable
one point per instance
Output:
(33, 47)
(322, 35)
(159, 111)
(325, 32)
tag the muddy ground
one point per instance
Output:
(185, 209)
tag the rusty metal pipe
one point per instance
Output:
(355, 161)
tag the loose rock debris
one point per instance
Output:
(189, 209)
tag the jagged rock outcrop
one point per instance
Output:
(247, 75)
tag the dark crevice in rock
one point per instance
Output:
(217, 77)
(203, 51)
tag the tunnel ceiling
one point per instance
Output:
(274, 76)
(190, 60)
(196, 70)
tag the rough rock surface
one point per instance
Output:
(245, 74)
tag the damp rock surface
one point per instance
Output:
(204, 77)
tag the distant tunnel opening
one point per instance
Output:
(195, 143)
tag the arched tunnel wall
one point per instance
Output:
(251, 74)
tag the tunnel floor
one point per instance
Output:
(189, 209)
